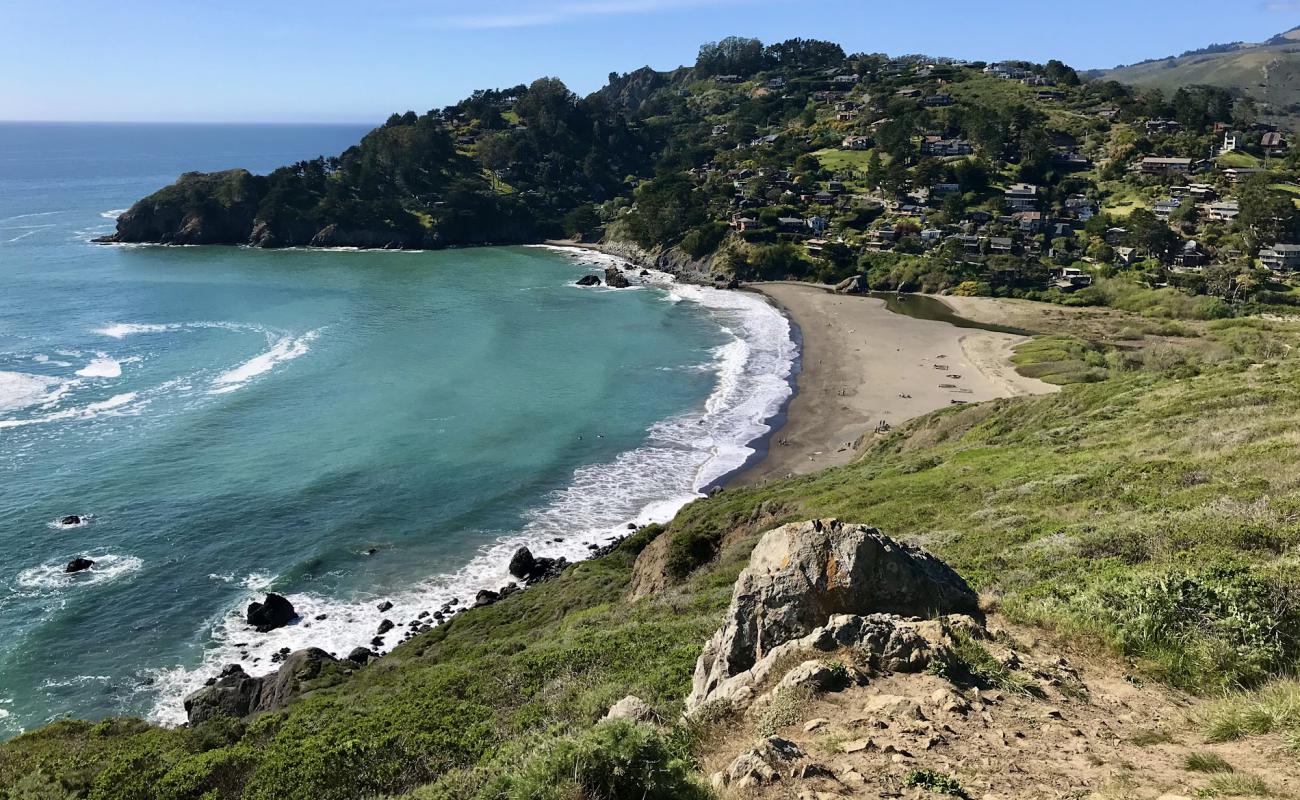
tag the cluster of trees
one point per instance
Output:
(736, 55)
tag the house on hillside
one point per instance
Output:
(1232, 141)
(790, 224)
(1165, 209)
(1021, 196)
(939, 147)
(1191, 257)
(1226, 211)
(856, 143)
(1001, 245)
(940, 100)
(1070, 161)
(1030, 222)
(1274, 143)
(844, 80)
(743, 224)
(1163, 126)
(728, 79)
(1165, 166)
(1241, 174)
(1281, 257)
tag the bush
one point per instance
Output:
(612, 761)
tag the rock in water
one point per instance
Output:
(361, 655)
(615, 279)
(522, 563)
(800, 575)
(71, 519)
(589, 280)
(79, 565)
(274, 612)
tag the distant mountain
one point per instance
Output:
(1268, 71)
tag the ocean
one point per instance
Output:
(342, 427)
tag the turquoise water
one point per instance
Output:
(234, 420)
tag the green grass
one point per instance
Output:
(838, 160)
(1061, 360)
(1273, 709)
(1206, 762)
(1238, 159)
(1235, 785)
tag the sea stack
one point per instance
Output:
(274, 612)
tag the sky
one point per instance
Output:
(337, 61)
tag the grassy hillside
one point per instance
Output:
(1268, 72)
(1155, 513)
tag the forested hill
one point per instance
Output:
(796, 160)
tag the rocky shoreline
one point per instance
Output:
(235, 693)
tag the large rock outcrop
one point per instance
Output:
(200, 208)
(805, 575)
(235, 693)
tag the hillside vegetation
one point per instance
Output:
(1152, 514)
(1268, 72)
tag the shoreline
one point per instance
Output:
(846, 393)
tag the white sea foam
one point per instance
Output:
(681, 457)
(22, 389)
(51, 577)
(101, 366)
(286, 348)
(113, 213)
(121, 330)
(118, 405)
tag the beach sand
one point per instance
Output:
(863, 365)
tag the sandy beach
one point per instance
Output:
(863, 366)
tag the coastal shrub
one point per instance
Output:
(1206, 629)
(615, 760)
(967, 663)
(934, 781)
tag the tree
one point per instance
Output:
(734, 55)
(1266, 217)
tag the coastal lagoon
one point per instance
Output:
(343, 427)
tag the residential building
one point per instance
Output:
(1281, 257)
(856, 143)
(939, 147)
(939, 100)
(1164, 209)
(1274, 143)
(1226, 211)
(1021, 196)
(1166, 166)
(1232, 140)
(1241, 174)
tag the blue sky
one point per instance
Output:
(329, 60)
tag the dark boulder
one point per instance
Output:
(386, 605)
(274, 612)
(71, 519)
(522, 563)
(485, 597)
(589, 280)
(79, 565)
(615, 279)
(385, 627)
(530, 569)
(361, 655)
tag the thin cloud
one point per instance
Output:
(565, 12)
(1282, 6)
